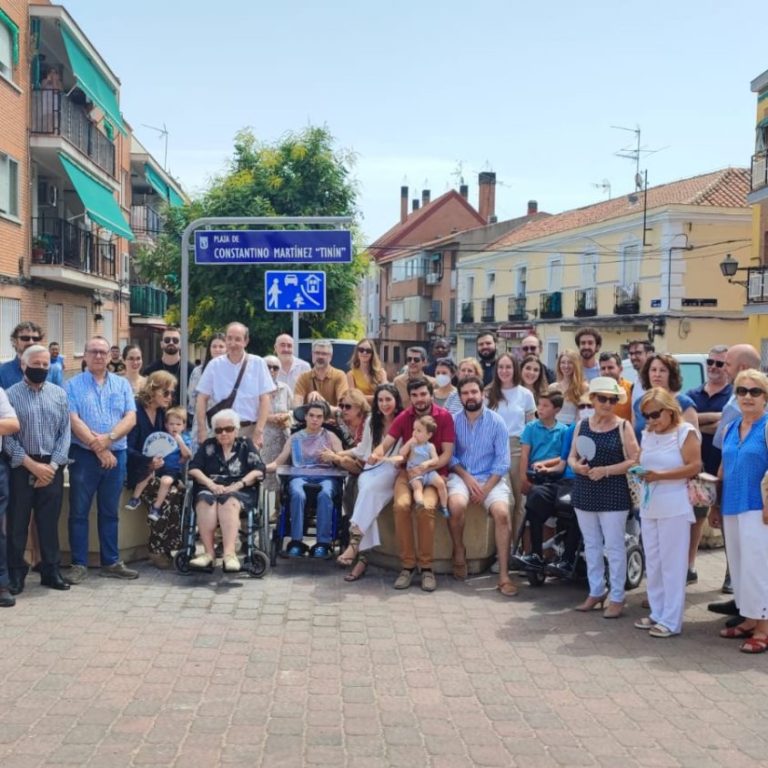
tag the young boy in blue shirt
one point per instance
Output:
(173, 464)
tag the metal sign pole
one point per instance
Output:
(250, 221)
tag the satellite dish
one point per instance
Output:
(638, 181)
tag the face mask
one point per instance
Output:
(36, 375)
(586, 413)
(443, 379)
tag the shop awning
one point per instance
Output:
(91, 81)
(166, 191)
(97, 199)
(763, 123)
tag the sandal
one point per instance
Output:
(460, 570)
(736, 633)
(349, 555)
(754, 645)
(507, 588)
(358, 570)
(659, 630)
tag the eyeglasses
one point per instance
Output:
(273, 367)
(584, 406)
(168, 392)
(345, 406)
(412, 359)
(652, 415)
(220, 430)
(365, 350)
(29, 338)
(716, 363)
(97, 352)
(530, 349)
(605, 399)
(751, 391)
(171, 340)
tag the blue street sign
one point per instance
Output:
(294, 291)
(306, 246)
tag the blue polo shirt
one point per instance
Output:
(705, 404)
(11, 373)
(544, 442)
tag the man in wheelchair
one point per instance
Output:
(311, 448)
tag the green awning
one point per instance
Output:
(166, 191)
(98, 200)
(13, 28)
(91, 81)
(763, 123)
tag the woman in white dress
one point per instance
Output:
(375, 484)
(670, 455)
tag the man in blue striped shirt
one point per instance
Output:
(38, 454)
(479, 468)
(102, 412)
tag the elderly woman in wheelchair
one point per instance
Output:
(226, 470)
(311, 447)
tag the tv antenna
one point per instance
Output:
(458, 172)
(605, 185)
(164, 135)
(634, 153)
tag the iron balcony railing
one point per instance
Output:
(488, 310)
(468, 312)
(626, 299)
(586, 302)
(759, 170)
(146, 221)
(61, 243)
(551, 305)
(516, 308)
(148, 301)
(54, 113)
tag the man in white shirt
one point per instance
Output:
(252, 401)
(589, 340)
(290, 367)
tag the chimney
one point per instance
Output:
(533, 207)
(425, 196)
(403, 204)
(415, 204)
(487, 197)
(464, 191)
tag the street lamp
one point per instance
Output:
(729, 267)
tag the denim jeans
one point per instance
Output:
(86, 479)
(298, 499)
(4, 485)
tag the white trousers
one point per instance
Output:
(603, 533)
(747, 554)
(665, 543)
(375, 489)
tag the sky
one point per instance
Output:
(424, 93)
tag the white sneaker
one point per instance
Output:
(495, 567)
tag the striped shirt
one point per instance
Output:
(482, 446)
(44, 418)
(100, 407)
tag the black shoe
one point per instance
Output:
(727, 608)
(692, 577)
(727, 589)
(563, 569)
(734, 621)
(7, 600)
(16, 585)
(532, 562)
(53, 580)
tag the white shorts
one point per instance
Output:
(499, 492)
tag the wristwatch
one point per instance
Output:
(112, 436)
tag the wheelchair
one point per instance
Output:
(565, 517)
(254, 537)
(339, 523)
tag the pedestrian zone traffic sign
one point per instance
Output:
(294, 291)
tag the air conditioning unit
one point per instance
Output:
(433, 278)
(431, 327)
(47, 193)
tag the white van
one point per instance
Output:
(343, 349)
(693, 367)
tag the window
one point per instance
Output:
(9, 45)
(589, 270)
(80, 317)
(490, 281)
(10, 317)
(521, 281)
(555, 274)
(109, 322)
(9, 184)
(395, 355)
(630, 265)
(55, 323)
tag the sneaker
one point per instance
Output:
(7, 600)
(154, 514)
(118, 570)
(563, 569)
(133, 503)
(495, 566)
(75, 574)
(403, 581)
(691, 578)
(428, 581)
(295, 549)
(445, 512)
(532, 562)
(321, 551)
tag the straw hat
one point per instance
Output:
(605, 385)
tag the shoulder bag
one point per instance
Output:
(229, 400)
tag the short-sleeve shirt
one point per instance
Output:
(100, 406)
(744, 464)
(545, 442)
(402, 428)
(331, 388)
(219, 378)
(298, 366)
(7, 412)
(683, 401)
(401, 382)
(704, 403)
(514, 407)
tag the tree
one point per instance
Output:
(299, 175)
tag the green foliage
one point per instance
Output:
(299, 175)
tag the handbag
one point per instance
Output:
(229, 400)
(634, 483)
(702, 490)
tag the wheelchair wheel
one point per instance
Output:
(273, 549)
(536, 578)
(181, 561)
(258, 565)
(635, 567)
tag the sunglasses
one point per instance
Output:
(652, 415)
(716, 363)
(345, 406)
(273, 367)
(29, 338)
(751, 391)
(168, 392)
(365, 350)
(171, 340)
(605, 399)
(413, 359)
(584, 406)
(220, 430)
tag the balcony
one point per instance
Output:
(146, 222)
(759, 171)
(626, 299)
(516, 308)
(488, 310)
(148, 301)
(55, 114)
(586, 302)
(551, 305)
(468, 312)
(403, 289)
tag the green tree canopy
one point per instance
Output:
(299, 175)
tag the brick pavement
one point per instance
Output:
(302, 669)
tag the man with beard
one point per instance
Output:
(486, 354)
(416, 360)
(290, 367)
(479, 468)
(170, 360)
(589, 342)
(322, 381)
(24, 335)
(420, 392)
